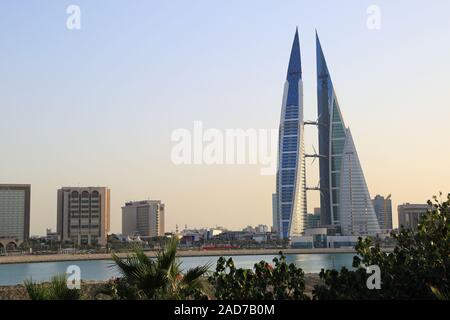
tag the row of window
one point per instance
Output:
(289, 160)
(290, 143)
(291, 128)
(287, 193)
(288, 177)
(84, 226)
(291, 112)
(286, 209)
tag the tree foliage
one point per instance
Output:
(418, 268)
(55, 290)
(160, 278)
(264, 282)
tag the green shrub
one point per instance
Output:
(418, 268)
(55, 290)
(282, 282)
(160, 278)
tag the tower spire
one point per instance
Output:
(322, 69)
(295, 63)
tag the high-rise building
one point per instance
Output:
(143, 218)
(345, 200)
(291, 177)
(15, 211)
(83, 214)
(383, 210)
(409, 215)
(275, 219)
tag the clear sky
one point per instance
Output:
(97, 106)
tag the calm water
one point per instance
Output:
(11, 274)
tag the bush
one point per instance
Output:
(418, 268)
(55, 290)
(160, 278)
(282, 282)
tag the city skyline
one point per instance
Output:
(96, 106)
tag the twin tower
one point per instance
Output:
(345, 203)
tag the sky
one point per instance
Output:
(97, 106)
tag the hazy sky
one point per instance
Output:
(97, 106)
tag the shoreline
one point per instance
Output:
(19, 259)
(90, 287)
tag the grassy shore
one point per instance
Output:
(90, 289)
(181, 253)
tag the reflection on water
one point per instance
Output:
(11, 274)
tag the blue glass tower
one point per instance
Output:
(290, 199)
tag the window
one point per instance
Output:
(336, 164)
(289, 160)
(287, 177)
(290, 128)
(291, 112)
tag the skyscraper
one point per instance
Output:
(83, 214)
(291, 177)
(345, 200)
(383, 210)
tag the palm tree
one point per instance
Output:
(160, 278)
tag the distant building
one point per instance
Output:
(52, 236)
(275, 218)
(211, 233)
(83, 214)
(143, 218)
(261, 228)
(15, 212)
(409, 215)
(249, 229)
(320, 238)
(383, 210)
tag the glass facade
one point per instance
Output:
(291, 189)
(345, 200)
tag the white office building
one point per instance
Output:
(144, 218)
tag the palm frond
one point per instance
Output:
(194, 274)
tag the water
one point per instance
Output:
(11, 274)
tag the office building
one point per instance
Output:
(409, 215)
(83, 214)
(143, 218)
(15, 212)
